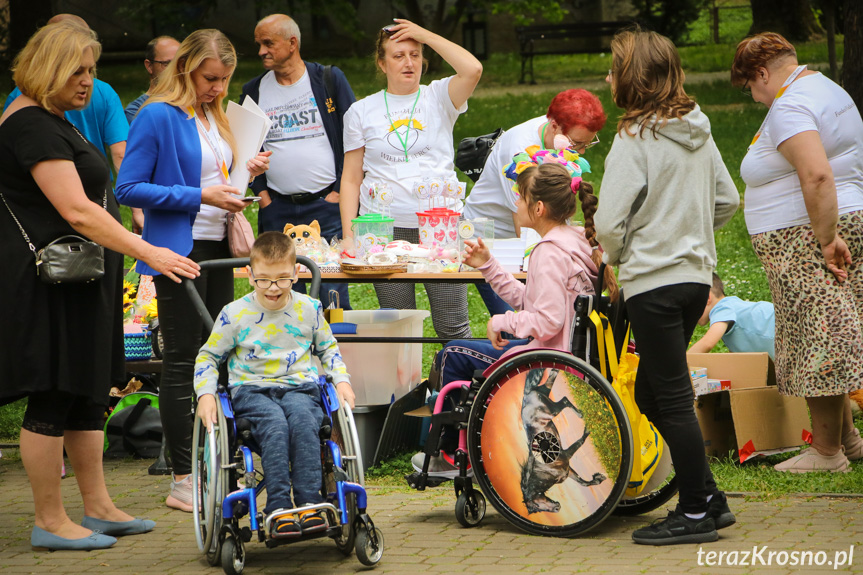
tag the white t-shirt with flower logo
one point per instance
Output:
(429, 146)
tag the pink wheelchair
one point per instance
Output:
(544, 437)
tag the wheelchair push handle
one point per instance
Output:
(201, 308)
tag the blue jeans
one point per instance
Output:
(285, 424)
(493, 302)
(459, 359)
(281, 211)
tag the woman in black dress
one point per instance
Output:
(57, 341)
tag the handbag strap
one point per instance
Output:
(20, 227)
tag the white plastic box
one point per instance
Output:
(509, 253)
(383, 372)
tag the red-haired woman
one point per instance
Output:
(572, 121)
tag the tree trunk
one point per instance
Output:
(791, 18)
(830, 25)
(852, 65)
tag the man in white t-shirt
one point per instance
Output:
(307, 103)
(573, 119)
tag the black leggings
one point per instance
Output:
(663, 320)
(183, 334)
(53, 412)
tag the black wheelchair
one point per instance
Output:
(545, 437)
(229, 485)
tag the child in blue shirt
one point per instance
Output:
(743, 326)
(267, 338)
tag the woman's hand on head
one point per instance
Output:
(259, 164)
(224, 197)
(171, 265)
(407, 30)
(476, 253)
(837, 255)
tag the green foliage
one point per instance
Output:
(671, 18)
(11, 416)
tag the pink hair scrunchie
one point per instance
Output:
(576, 184)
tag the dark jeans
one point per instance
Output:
(281, 211)
(183, 334)
(285, 423)
(663, 320)
(458, 361)
(493, 302)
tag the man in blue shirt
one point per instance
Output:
(743, 326)
(160, 52)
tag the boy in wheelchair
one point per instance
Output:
(267, 338)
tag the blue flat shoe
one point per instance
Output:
(41, 540)
(117, 528)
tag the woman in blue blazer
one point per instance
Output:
(176, 168)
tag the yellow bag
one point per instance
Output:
(645, 437)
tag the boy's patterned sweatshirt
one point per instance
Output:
(269, 348)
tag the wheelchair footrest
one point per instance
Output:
(418, 482)
(287, 523)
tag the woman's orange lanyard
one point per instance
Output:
(215, 146)
(779, 94)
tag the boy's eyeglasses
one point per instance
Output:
(746, 90)
(162, 62)
(265, 283)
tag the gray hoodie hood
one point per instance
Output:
(691, 131)
(660, 201)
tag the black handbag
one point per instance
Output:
(472, 153)
(68, 259)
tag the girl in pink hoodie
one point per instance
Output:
(563, 265)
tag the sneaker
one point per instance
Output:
(285, 527)
(677, 528)
(312, 520)
(181, 494)
(811, 460)
(718, 510)
(853, 445)
(438, 466)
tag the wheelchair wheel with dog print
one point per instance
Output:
(661, 487)
(550, 443)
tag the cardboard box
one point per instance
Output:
(750, 416)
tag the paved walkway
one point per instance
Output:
(422, 535)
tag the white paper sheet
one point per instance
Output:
(249, 125)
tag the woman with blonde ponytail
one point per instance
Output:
(177, 167)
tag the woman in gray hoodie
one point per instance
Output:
(664, 192)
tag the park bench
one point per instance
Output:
(569, 38)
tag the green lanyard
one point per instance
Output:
(404, 142)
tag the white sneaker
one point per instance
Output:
(181, 494)
(438, 466)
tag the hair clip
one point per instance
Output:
(575, 185)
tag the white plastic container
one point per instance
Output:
(383, 372)
(509, 253)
